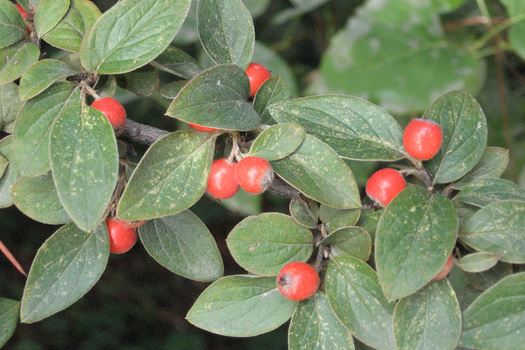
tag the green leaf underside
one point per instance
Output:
(485, 191)
(216, 98)
(314, 327)
(428, 319)
(15, 59)
(498, 228)
(175, 61)
(48, 14)
(84, 163)
(226, 31)
(41, 75)
(278, 141)
(146, 26)
(414, 238)
(478, 262)
(241, 306)
(464, 130)
(143, 81)
(337, 218)
(495, 320)
(263, 244)
(350, 241)
(491, 165)
(65, 268)
(357, 300)
(183, 245)
(37, 198)
(273, 90)
(304, 212)
(354, 128)
(10, 104)
(12, 26)
(9, 311)
(171, 177)
(307, 170)
(11, 174)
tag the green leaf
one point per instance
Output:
(171, 90)
(305, 212)
(146, 26)
(498, 228)
(314, 327)
(491, 165)
(10, 104)
(241, 306)
(428, 319)
(516, 36)
(496, 319)
(175, 61)
(416, 226)
(305, 169)
(40, 75)
(216, 98)
(65, 268)
(336, 218)
(485, 191)
(84, 162)
(70, 31)
(350, 241)
(15, 59)
(485, 279)
(354, 128)
(37, 198)
(34, 124)
(4, 163)
(263, 244)
(183, 245)
(171, 177)
(358, 302)
(11, 174)
(273, 90)
(106, 85)
(278, 141)
(48, 14)
(9, 310)
(464, 135)
(226, 31)
(143, 81)
(369, 220)
(478, 262)
(12, 26)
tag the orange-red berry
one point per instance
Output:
(446, 268)
(113, 110)
(254, 174)
(298, 281)
(384, 185)
(422, 138)
(257, 73)
(22, 11)
(122, 236)
(201, 128)
(222, 183)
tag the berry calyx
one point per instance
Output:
(422, 138)
(257, 73)
(113, 110)
(222, 183)
(446, 268)
(23, 12)
(201, 128)
(298, 281)
(122, 236)
(384, 185)
(254, 174)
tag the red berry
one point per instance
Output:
(257, 73)
(384, 185)
(122, 237)
(446, 268)
(201, 128)
(222, 183)
(254, 174)
(113, 110)
(422, 138)
(298, 281)
(22, 11)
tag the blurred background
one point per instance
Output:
(399, 54)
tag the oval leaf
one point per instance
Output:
(175, 61)
(263, 244)
(428, 319)
(416, 227)
(278, 141)
(350, 241)
(10, 175)
(41, 75)
(305, 169)
(306, 213)
(15, 59)
(485, 191)
(10, 104)
(48, 14)
(336, 218)
(183, 244)
(84, 162)
(478, 262)
(147, 26)
(273, 90)
(143, 81)
(12, 26)
(171, 177)
(65, 268)
(241, 306)
(9, 310)
(491, 165)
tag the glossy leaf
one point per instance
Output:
(485, 191)
(241, 306)
(147, 26)
(171, 177)
(496, 319)
(478, 262)
(314, 327)
(350, 241)
(34, 124)
(10, 104)
(143, 81)
(263, 244)
(428, 319)
(306, 213)
(491, 165)
(41, 75)
(11, 174)
(183, 245)
(354, 128)
(357, 300)
(84, 162)
(9, 310)
(305, 169)
(415, 227)
(278, 141)
(337, 218)
(48, 14)
(273, 90)
(15, 59)
(498, 228)
(216, 98)
(226, 31)
(175, 61)
(485, 279)
(464, 130)
(12, 26)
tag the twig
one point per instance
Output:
(11, 258)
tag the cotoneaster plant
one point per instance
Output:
(298, 281)
(384, 185)
(446, 268)
(201, 128)
(222, 183)
(254, 174)
(122, 235)
(422, 138)
(257, 74)
(113, 110)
